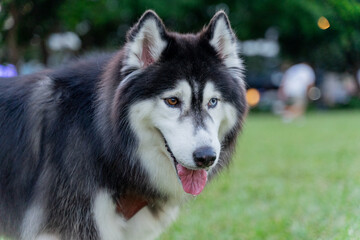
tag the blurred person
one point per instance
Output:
(338, 88)
(295, 85)
(333, 89)
(349, 84)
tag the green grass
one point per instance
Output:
(287, 181)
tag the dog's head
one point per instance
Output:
(185, 100)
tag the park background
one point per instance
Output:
(297, 180)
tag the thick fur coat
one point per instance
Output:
(77, 140)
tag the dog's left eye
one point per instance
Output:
(212, 102)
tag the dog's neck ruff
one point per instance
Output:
(128, 205)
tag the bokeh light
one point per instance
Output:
(323, 23)
(252, 97)
(314, 93)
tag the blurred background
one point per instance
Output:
(290, 179)
(273, 34)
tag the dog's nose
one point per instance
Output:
(204, 156)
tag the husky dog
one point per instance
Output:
(110, 147)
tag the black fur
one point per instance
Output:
(58, 148)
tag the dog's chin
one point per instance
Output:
(192, 179)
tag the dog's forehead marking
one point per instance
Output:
(202, 93)
(210, 92)
(195, 88)
(181, 89)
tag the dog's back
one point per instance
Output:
(42, 119)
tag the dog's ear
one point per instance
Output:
(146, 40)
(222, 38)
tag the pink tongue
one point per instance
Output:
(193, 181)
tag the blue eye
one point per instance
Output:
(212, 102)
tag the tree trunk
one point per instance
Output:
(44, 51)
(12, 38)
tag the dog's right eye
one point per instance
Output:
(172, 101)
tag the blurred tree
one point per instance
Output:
(26, 23)
(107, 21)
(103, 23)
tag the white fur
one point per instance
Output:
(31, 224)
(149, 33)
(148, 117)
(143, 225)
(150, 226)
(151, 150)
(224, 115)
(110, 224)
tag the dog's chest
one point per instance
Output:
(145, 224)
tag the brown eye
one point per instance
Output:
(172, 102)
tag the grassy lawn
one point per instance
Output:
(288, 181)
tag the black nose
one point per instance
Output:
(204, 156)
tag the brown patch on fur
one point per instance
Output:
(130, 204)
